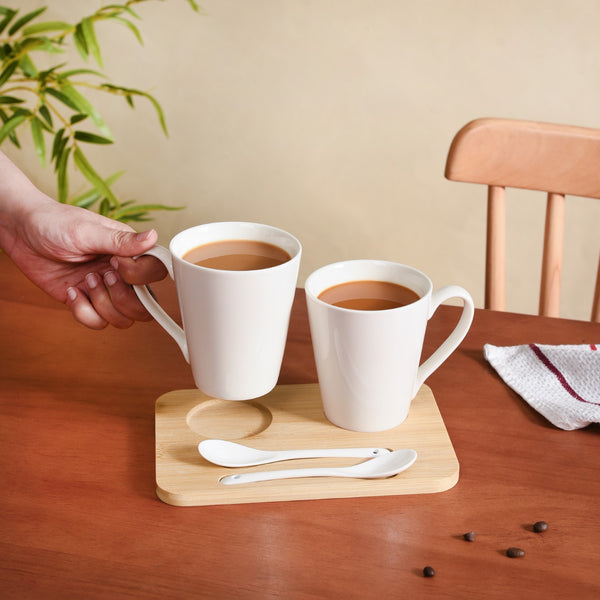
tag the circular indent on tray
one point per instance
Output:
(229, 419)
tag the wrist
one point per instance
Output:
(19, 198)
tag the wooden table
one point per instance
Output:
(79, 517)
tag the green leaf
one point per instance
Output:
(10, 100)
(80, 42)
(83, 105)
(40, 43)
(90, 174)
(141, 209)
(8, 13)
(31, 44)
(57, 138)
(194, 5)
(12, 136)
(58, 144)
(26, 65)
(127, 203)
(77, 118)
(43, 75)
(91, 138)
(128, 92)
(43, 110)
(45, 125)
(8, 71)
(90, 199)
(137, 218)
(91, 196)
(37, 134)
(19, 110)
(62, 97)
(25, 19)
(89, 34)
(11, 125)
(62, 175)
(130, 26)
(159, 112)
(67, 74)
(47, 26)
(122, 7)
(104, 207)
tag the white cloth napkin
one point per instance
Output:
(560, 382)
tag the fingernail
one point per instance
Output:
(71, 293)
(92, 280)
(114, 263)
(110, 278)
(144, 235)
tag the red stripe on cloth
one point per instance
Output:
(556, 372)
(593, 347)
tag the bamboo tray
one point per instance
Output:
(289, 417)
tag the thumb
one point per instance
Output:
(130, 243)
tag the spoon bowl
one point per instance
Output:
(380, 467)
(231, 454)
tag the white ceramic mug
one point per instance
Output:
(235, 323)
(368, 360)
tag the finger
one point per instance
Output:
(140, 271)
(112, 237)
(82, 309)
(128, 243)
(124, 298)
(102, 303)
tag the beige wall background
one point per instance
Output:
(332, 119)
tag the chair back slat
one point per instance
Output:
(596, 303)
(495, 261)
(552, 256)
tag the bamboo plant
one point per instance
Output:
(52, 104)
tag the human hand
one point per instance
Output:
(67, 251)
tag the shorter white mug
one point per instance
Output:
(368, 360)
(235, 323)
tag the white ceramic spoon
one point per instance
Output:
(230, 454)
(376, 468)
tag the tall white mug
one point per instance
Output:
(235, 323)
(368, 360)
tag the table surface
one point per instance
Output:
(80, 517)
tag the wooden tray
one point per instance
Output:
(289, 417)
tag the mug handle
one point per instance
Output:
(155, 309)
(450, 344)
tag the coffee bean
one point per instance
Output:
(428, 572)
(514, 552)
(540, 526)
(469, 536)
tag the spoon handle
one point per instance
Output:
(284, 474)
(330, 453)
(376, 468)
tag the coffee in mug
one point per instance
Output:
(368, 295)
(237, 255)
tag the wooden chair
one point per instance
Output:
(557, 159)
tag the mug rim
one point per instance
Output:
(178, 255)
(314, 295)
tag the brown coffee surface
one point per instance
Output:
(369, 295)
(237, 255)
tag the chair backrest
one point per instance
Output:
(557, 159)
